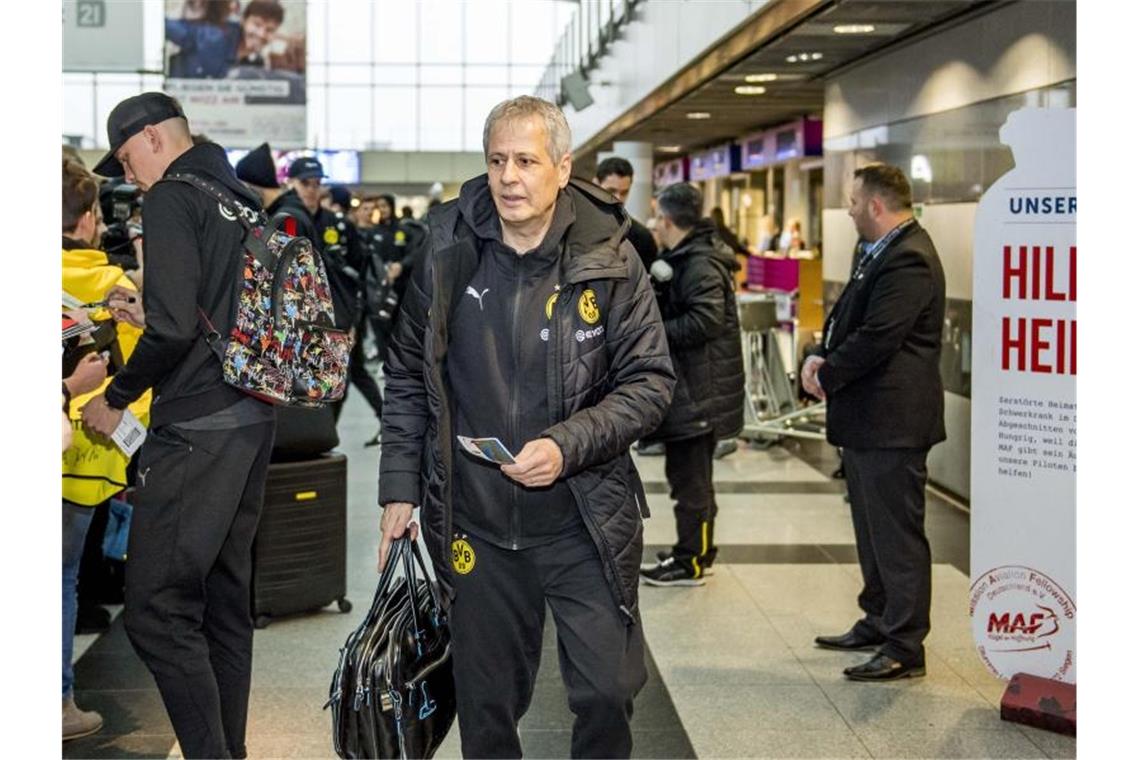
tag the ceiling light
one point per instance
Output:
(756, 78)
(854, 28)
(669, 148)
(698, 115)
(746, 89)
(803, 57)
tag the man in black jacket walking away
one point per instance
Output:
(202, 467)
(878, 370)
(697, 293)
(531, 321)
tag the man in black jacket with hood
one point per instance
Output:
(202, 467)
(697, 292)
(533, 322)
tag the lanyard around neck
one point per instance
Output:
(873, 252)
(860, 271)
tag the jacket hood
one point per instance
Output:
(593, 242)
(705, 239)
(209, 160)
(288, 200)
(84, 257)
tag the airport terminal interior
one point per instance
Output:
(767, 108)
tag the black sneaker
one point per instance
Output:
(92, 619)
(662, 555)
(670, 572)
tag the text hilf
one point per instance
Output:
(1039, 345)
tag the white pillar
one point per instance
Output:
(640, 155)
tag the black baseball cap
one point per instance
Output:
(257, 167)
(128, 119)
(306, 167)
(341, 195)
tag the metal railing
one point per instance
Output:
(584, 41)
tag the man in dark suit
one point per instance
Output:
(878, 371)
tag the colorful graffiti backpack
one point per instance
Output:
(283, 347)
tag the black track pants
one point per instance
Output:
(496, 626)
(689, 470)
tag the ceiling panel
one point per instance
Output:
(798, 91)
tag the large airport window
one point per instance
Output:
(385, 76)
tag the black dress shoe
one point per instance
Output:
(883, 668)
(848, 642)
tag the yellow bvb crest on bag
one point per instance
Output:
(462, 556)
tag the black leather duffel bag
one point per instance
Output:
(392, 695)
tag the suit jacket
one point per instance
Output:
(881, 375)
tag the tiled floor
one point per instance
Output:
(733, 669)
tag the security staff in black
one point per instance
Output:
(531, 322)
(202, 467)
(878, 369)
(696, 287)
(392, 248)
(332, 236)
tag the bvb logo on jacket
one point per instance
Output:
(588, 307)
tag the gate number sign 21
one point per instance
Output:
(91, 12)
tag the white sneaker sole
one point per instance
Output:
(708, 573)
(685, 582)
(81, 734)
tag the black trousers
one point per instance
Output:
(689, 470)
(496, 626)
(888, 508)
(359, 376)
(187, 609)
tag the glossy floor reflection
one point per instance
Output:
(733, 669)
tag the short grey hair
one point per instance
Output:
(525, 106)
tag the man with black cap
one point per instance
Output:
(333, 236)
(201, 473)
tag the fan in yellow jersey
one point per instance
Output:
(94, 469)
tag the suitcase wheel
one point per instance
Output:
(344, 605)
(261, 621)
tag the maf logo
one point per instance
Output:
(1014, 623)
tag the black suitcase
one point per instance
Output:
(299, 552)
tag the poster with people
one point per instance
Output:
(238, 68)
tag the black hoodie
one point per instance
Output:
(193, 251)
(498, 365)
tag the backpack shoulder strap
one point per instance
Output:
(248, 217)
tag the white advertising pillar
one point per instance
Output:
(640, 154)
(1024, 406)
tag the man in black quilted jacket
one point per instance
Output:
(532, 322)
(694, 281)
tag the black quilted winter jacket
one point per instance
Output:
(603, 395)
(699, 308)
